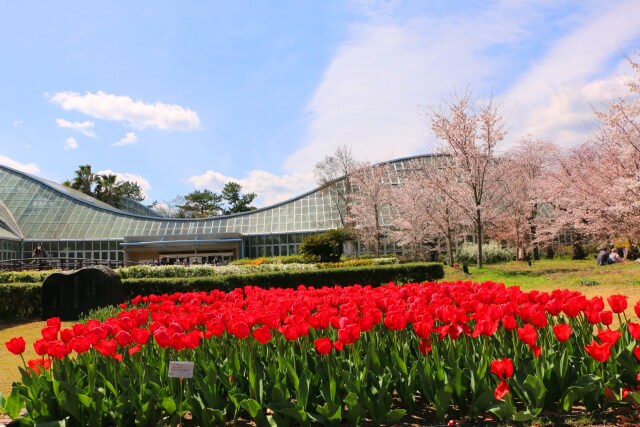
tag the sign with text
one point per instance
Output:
(180, 369)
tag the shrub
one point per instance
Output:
(289, 259)
(321, 247)
(492, 253)
(32, 276)
(20, 301)
(371, 275)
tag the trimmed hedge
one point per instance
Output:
(20, 301)
(375, 275)
(23, 301)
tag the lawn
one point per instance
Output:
(544, 275)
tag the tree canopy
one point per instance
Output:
(206, 203)
(104, 187)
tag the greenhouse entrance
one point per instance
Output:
(187, 249)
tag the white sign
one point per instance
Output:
(180, 369)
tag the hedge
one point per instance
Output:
(371, 275)
(22, 301)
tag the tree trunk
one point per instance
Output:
(449, 248)
(479, 232)
(536, 249)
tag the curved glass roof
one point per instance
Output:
(44, 210)
(49, 211)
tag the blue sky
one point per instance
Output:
(186, 95)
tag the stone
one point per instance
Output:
(69, 295)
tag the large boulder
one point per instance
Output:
(68, 295)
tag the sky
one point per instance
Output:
(179, 96)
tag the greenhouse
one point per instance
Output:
(66, 223)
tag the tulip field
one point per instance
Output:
(332, 356)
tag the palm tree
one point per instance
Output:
(84, 180)
(106, 189)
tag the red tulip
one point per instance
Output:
(618, 303)
(502, 368)
(239, 330)
(600, 352)
(636, 308)
(501, 390)
(323, 345)
(50, 333)
(37, 364)
(338, 345)
(424, 346)
(262, 334)
(54, 322)
(634, 330)
(140, 335)
(106, 347)
(16, 345)
(606, 318)
(57, 349)
(509, 322)
(562, 332)
(40, 346)
(528, 334)
(608, 336)
(124, 338)
(636, 352)
(79, 344)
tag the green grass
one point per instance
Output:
(546, 275)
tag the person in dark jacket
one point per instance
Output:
(603, 256)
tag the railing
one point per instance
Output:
(50, 263)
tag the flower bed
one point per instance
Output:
(333, 355)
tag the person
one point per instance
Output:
(603, 256)
(614, 257)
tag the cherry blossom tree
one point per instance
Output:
(422, 211)
(370, 204)
(328, 172)
(469, 131)
(525, 170)
(597, 186)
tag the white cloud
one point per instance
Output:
(137, 114)
(371, 93)
(128, 139)
(85, 128)
(24, 167)
(270, 188)
(555, 97)
(70, 144)
(144, 184)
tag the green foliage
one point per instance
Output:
(201, 204)
(492, 253)
(235, 200)
(370, 275)
(359, 262)
(586, 282)
(20, 301)
(206, 203)
(289, 259)
(32, 276)
(105, 188)
(321, 247)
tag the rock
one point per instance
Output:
(68, 295)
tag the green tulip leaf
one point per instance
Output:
(395, 415)
(168, 404)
